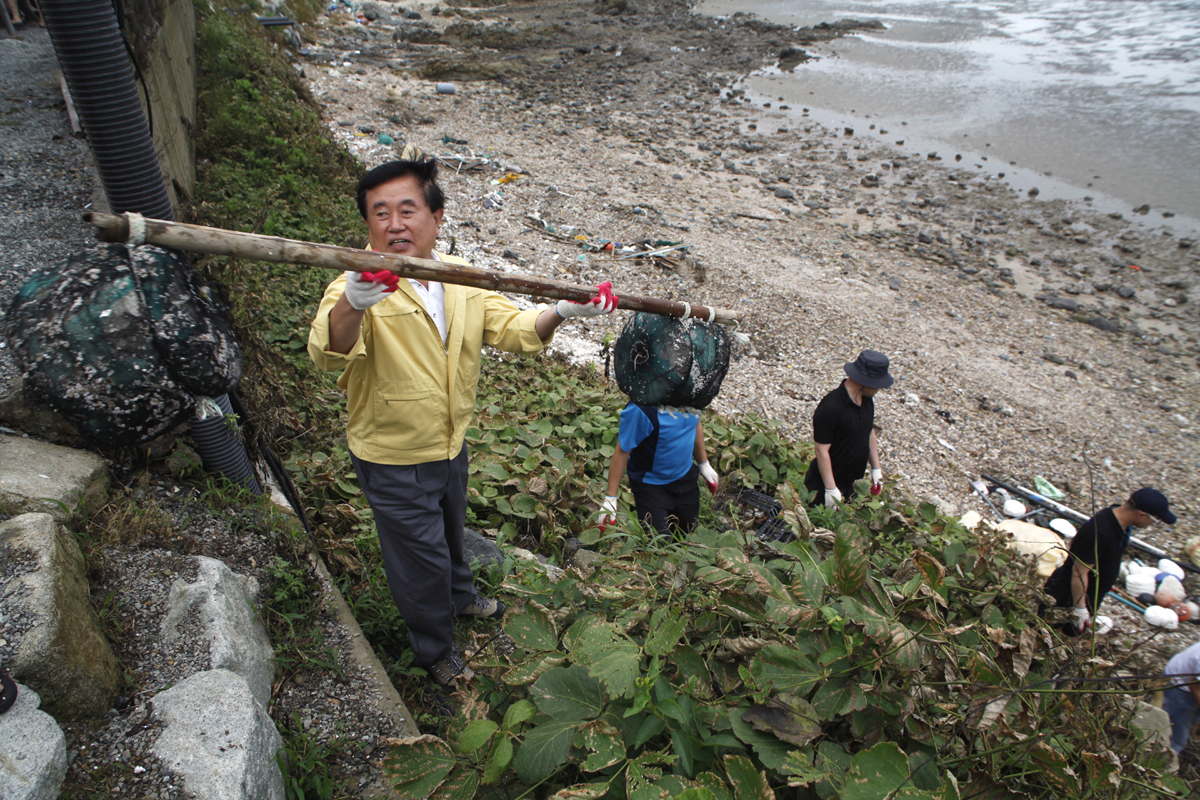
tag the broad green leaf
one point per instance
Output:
(533, 669)
(771, 751)
(517, 713)
(582, 791)
(714, 783)
(696, 793)
(905, 650)
(544, 749)
(498, 761)
(416, 765)
(802, 768)
(609, 655)
(667, 625)
(767, 583)
(496, 471)
(567, 693)
(503, 507)
(604, 740)
(681, 743)
(879, 773)
(785, 669)
(789, 717)
(743, 607)
(641, 780)
(462, 784)
(747, 782)
(837, 697)
(874, 625)
(652, 727)
(475, 735)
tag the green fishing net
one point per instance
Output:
(666, 361)
(119, 340)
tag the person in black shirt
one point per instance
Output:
(1095, 555)
(844, 431)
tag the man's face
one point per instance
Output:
(399, 221)
(869, 391)
(1143, 520)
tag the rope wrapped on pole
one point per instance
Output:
(134, 229)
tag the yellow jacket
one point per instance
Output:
(404, 407)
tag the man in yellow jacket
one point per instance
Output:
(409, 352)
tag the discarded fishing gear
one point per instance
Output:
(774, 529)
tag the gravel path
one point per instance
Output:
(46, 174)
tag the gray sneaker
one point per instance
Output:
(484, 608)
(450, 669)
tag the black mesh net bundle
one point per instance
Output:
(119, 339)
(666, 361)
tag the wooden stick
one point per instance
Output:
(216, 241)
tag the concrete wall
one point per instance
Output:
(163, 36)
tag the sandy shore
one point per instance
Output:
(623, 127)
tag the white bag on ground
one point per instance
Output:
(1162, 617)
(1137, 583)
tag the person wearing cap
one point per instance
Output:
(1094, 558)
(1181, 700)
(409, 351)
(844, 431)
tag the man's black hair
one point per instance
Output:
(425, 171)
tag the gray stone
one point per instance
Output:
(373, 11)
(587, 561)
(1103, 324)
(33, 751)
(219, 738)
(924, 238)
(475, 546)
(66, 483)
(22, 412)
(1127, 292)
(226, 604)
(784, 194)
(61, 653)
(1065, 303)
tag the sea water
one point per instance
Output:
(1094, 99)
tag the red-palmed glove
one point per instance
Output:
(365, 289)
(605, 302)
(710, 476)
(608, 512)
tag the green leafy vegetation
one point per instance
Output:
(886, 653)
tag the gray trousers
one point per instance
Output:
(419, 512)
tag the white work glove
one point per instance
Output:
(608, 512)
(365, 289)
(876, 480)
(1082, 618)
(605, 302)
(710, 476)
(833, 497)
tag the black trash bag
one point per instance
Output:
(665, 361)
(119, 339)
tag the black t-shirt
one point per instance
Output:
(846, 427)
(1100, 542)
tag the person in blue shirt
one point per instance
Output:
(663, 452)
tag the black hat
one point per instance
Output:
(1153, 503)
(871, 370)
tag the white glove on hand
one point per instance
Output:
(605, 302)
(1082, 618)
(362, 292)
(876, 476)
(833, 497)
(608, 513)
(710, 476)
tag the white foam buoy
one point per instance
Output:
(1062, 527)
(1162, 617)
(1013, 508)
(1170, 567)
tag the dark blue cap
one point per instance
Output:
(1153, 503)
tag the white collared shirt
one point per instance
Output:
(434, 300)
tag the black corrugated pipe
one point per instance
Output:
(92, 55)
(91, 51)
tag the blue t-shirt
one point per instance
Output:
(660, 443)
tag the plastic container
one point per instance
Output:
(1013, 508)
(445, 88)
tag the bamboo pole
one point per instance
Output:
(216, 241)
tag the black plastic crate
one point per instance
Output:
(775, 530)
(761, 502)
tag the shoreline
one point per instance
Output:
(630, 127)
